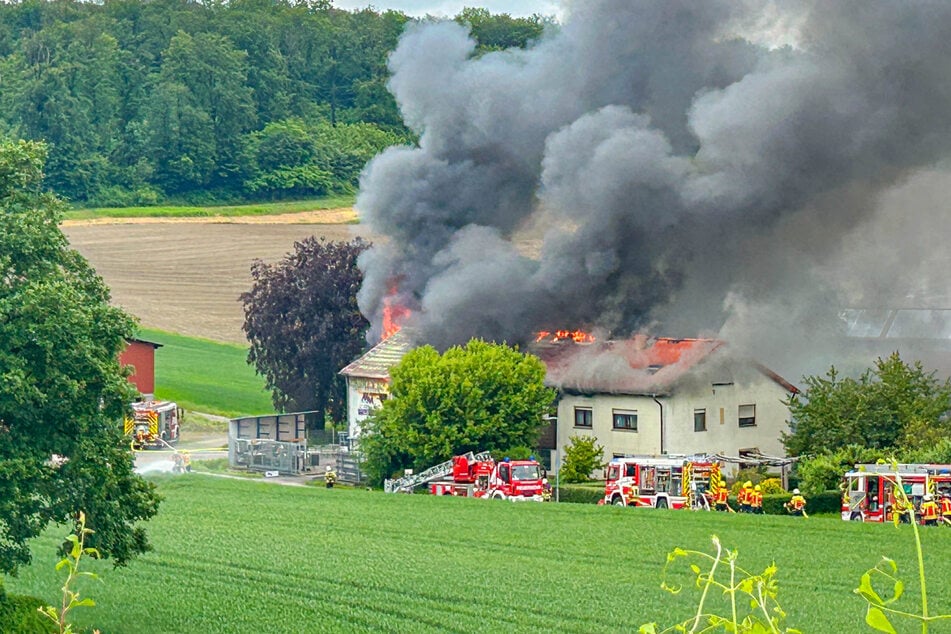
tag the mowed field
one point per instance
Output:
(187, 276)
(252, 556)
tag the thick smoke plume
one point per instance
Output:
(681, 168)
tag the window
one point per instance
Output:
(625, 419)
(582, 417)
(700, 420)
(747, 415)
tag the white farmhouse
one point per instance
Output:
(666, 396)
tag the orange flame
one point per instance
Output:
(578, 336)
(394, 314)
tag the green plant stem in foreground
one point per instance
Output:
(70, 597)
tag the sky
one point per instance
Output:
(449, 8)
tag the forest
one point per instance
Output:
(152, 101)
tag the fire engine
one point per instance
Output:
(154, 424)
(479, 476)
(868, 491)
(660, 481)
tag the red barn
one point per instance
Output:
(140, 354)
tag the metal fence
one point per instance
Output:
(261, 454)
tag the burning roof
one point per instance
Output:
(377, 361)
(640, 365)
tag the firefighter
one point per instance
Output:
(744, 497)
(139, 439)
(177, 463)
(546, 490)
(756, 500)
(722, 498)
(929, 510)
(900, 509)
(797, 504)
(946, 507)
(330, 477)
(186, 462)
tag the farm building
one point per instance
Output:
(666, 396)
(368, 378)
(636, 396)
(140, 354)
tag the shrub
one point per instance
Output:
(20, 615)
(582, 456)
(580, 494)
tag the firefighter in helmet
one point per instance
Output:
(721, 499)
(744, 497)
(929, 510)
(546, 490)
(945, 505)
(756, 500)
(797, 504)
(330, 477)
(186, 461)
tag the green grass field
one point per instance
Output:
(169, 211)
(252, 556)
(207, 376)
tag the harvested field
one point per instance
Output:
(186, 277)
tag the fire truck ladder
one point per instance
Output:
(407, 483)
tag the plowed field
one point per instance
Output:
(187, 276)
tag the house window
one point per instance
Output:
(582, 417)
(700, 420)
(747, 415)
(625, 419)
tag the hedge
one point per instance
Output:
(580, 493)
(19, 615)
(829, 502)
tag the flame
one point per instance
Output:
(578, 336)
(394, 314)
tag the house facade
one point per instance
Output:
(667, 396)
(368, 379)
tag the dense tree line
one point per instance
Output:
(142, 100)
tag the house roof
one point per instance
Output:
(143, 341)
(377, 361)
(640, 365)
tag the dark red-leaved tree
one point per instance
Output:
(302, 321)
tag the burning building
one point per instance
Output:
(637, 396)
(666, 396)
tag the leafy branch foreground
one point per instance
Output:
(71, 599)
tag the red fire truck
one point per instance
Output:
(868, 491)
(477, 475)
(660, 481)
(516, 480)
(154, 424)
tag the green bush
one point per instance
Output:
(823, 503)
(580, 494)
(20, 615)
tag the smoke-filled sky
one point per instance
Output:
(678, 168)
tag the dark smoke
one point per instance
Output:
(676, 168)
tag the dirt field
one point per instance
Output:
(185, 276)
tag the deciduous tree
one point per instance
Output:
(303, 323)
(63, 393)
(893, 405)
(481, 397)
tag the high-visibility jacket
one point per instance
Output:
(929, 510)
(797, 502)
(756, 499)
(723, 495)
(946, 506)
(743, 497)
